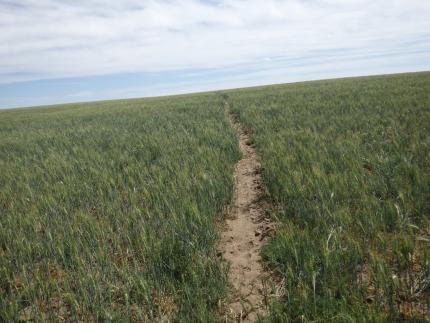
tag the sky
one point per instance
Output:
(58, 51)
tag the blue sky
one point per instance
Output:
(67, 51)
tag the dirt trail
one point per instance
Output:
(246, 229)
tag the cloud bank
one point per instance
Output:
(46, 39)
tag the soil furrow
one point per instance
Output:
(245, 232)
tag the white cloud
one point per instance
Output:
(42, 39)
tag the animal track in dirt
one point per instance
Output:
(246, 230)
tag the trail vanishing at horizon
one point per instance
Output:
(246, 228)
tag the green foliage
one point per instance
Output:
(347, 163)
(108, 209)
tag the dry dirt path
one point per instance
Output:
(245, 232)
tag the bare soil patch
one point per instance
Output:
(246, 229)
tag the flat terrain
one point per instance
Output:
(117, 210)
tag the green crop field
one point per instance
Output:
(347, 164)
(110, 211)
